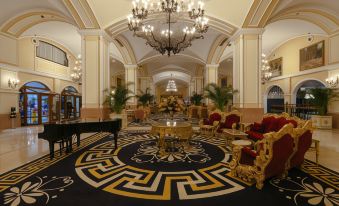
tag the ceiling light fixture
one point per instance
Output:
(171, 85)
(174, 37)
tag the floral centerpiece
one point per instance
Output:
(171, 105)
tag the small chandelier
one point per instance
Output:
(265, 70)
(168, 40)
(76, 74)
(171, 86)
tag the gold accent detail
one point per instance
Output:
(257, 171)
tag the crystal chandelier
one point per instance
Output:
(171, 86)
(76, 71)
(174, 37)
(265, 70)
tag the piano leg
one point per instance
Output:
(115, 135)
(70, 143)
(51, 149)
(78, 139)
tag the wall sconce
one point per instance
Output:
(333, 81)
(266, 77)
(13, 83)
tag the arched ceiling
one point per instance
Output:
(10, 8)
(56, 32)
(281, 31)
(231, 11)
(167, 75)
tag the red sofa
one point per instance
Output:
(268, 124)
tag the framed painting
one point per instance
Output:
(276, 67)
(312, 56)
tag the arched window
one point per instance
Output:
(275, 100)
(303, 95)
(70, 103)
(38, 105)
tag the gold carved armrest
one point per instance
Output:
(236, 156)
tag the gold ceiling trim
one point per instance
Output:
(42, 16)
(126, 50)
(255, 12)
(81, 13)
(217, 50)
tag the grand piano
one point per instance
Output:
(65, 131)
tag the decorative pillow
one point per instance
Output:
(257, 127)
(231, 119)
(249, 152)
(271, 127)
(207, 122)
(280, 123)
(214, 117)
(295, 124)
(266, 123)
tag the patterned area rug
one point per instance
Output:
(138, 173)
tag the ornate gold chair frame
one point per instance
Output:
(257, 170)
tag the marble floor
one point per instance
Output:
(21, 145)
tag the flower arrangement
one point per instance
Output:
(171, 104)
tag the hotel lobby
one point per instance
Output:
(169, 102)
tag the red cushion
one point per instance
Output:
(268, 124)
(280, 123)
(231, 119)
(207, 122)
(304, 143)
(282, 150)
(256, 127)
(255, 135)
(295, 124)
(247, 156)
(214, 117)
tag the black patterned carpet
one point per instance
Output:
(137, 174)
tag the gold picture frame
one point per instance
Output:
(276, 66)
(312, 56)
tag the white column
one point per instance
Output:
(95, 64)
(247, 74)
(211, 76)
(131, 77)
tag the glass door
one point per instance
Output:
(55, 108)
(32, 109)
(44, 109)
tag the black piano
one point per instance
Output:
(65, 131)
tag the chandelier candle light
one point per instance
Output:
(166, 40)
(171, 86)
(76, 71)
(333, 81)
(266, 74)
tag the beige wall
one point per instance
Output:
(292, 77)
(8, 50)
(290, 53)
(18, 60)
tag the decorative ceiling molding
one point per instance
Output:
(325, 20)
(221, 26)
(82, 14)
(125, 49)
(259, 13)
(171, 67)
(19, 24)
(150, 58)
(217, 49)
(168, 75)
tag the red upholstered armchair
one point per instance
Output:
(210, 125)
(270, 123)
(302, 141)
(232, 121)
(271, 160)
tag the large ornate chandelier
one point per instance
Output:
(266, 73)
(171, 36)
(171, 86)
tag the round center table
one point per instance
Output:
(182, 130)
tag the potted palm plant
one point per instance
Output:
(196, 99)
(145, 98)
(116, 100)
(220, 96)
(320, 98)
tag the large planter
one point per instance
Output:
(322, 122)
(122, 116)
